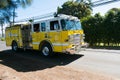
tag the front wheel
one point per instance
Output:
(46, 50)
(14, 46)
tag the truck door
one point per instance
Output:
(36, 36)
(26, 36)
(55, 35)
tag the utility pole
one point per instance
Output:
(13, 16)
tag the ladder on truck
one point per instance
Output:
(36, 18)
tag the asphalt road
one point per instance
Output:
(101, 61)
(98, 60)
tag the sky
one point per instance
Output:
(41, 7)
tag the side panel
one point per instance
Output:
(7, 37)
(65, 40)
(36, 38)
(55, 38)
(13, 33)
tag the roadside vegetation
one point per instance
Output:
(103, 30)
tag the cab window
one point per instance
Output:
(54, 25)
(36, 27)
(43, 26)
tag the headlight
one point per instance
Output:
(83, 36)
(70, 38)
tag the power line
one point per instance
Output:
(103, 2)
(100, 2)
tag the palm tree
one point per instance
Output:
(7, 9)
(6, 3)
(24, 3)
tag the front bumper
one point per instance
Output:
(75, 49)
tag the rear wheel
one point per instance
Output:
(46, 50)
(14, 46)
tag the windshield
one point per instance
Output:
(70, 24)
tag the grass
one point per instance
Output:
(2, 39)
(106, 47)
(102, 46)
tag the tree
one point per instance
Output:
(103, 29)
(112, 26)
(85, 1)
(7, 9)
(93, 29)
(74, 8)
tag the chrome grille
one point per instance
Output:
(75, 39)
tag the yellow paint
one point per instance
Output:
(13, 33)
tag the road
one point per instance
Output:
(97, 61)
(104, 61)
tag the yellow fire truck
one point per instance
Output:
(61, 33)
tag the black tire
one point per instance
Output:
(46, 50)
(15, 46)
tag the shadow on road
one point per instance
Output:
(32, 60)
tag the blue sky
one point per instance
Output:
(103, 9)
(40, 7)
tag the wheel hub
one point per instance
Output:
(45, 51)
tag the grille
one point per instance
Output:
(75, 39)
